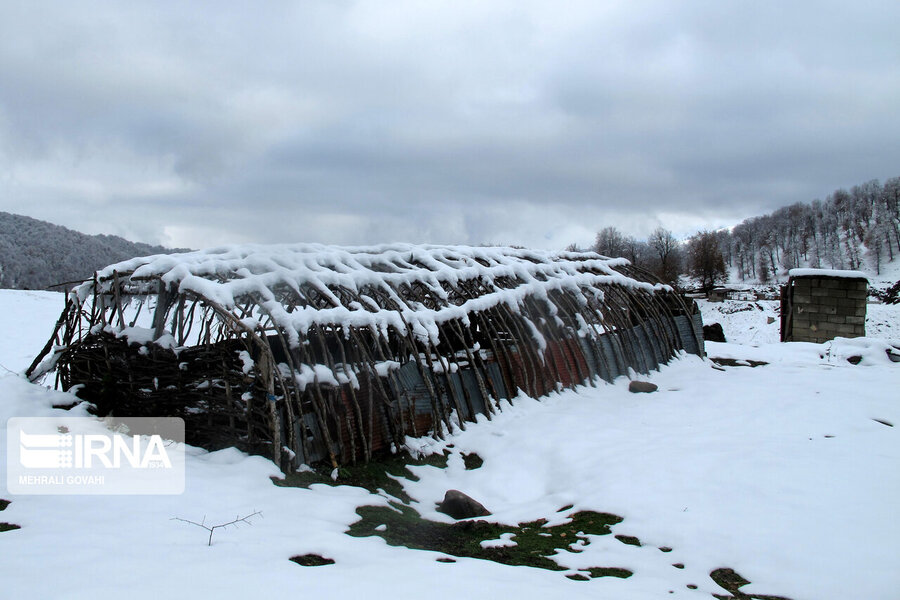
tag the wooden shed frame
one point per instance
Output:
(306, 353)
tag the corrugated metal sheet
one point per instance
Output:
(413, 388)
(687, 332)
(643, 347)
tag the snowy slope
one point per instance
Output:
(27, 316)
(779, 472)
(888, 274)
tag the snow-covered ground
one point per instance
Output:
(889, 273)
(785, 473)
(26, 316)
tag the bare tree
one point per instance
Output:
(610, 242)
(638, 252)
(705, 261)
(668, 257)
(763, 269)
(745, 248)
(890, 203)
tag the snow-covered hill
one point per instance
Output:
(786, 473)
(36, 254)
(883, 278)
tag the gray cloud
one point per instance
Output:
(357, 122)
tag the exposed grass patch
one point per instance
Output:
(629, 540)
(610, 572)
(732, 362)
(372, 476)
(731, 581)
(472, 461)
(312, 560)
(7, 526)
(401, 525)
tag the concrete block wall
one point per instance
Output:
(823, 308)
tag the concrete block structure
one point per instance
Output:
(818, 305)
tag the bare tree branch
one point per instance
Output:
(211, 529)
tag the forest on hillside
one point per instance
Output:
(36, 255)
(857, 228)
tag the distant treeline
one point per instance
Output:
(854, 229)
(37, 255)
(857, 228)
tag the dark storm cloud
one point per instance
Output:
(356, 122)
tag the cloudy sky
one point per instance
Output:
(535, 123)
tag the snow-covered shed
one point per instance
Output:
(308, 352)
(818, 305)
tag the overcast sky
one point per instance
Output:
(534, 123)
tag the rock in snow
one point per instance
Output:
(461, 506)
(714, 333)
(637, 387)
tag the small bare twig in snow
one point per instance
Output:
(212, 528)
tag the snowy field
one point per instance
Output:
(787, 473)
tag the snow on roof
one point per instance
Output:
(301, 285)
(827, 273)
